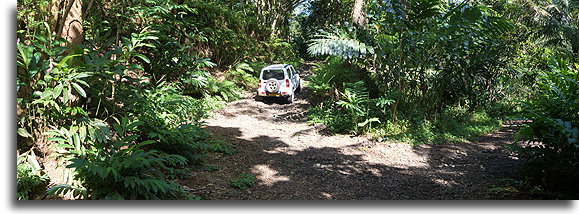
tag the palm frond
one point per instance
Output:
(338, 43)
(558, 25)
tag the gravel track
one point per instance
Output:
(293, 160)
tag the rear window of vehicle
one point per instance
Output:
(276, 74)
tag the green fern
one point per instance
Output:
(119, 168)
(338, 43)
(29, 176)
(62, 189)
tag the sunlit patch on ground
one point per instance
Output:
(267, 176)
(327, 195)
(295, 160)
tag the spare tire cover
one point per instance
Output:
(272, 85)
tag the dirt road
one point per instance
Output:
(293, 160)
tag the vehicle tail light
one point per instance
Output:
(284, 92)
(287, 83)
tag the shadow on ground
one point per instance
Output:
(452, 171)
(287, 168)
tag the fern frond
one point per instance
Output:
(63, 189)
(338, 43)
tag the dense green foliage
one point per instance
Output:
(115, 168)
(552, 138)
(122, 109)
(433, 71)
(29, 177)
(420, 62)
(356, 111)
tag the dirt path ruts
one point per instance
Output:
(293, 160)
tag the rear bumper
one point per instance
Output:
(271, 95)
(282, 93)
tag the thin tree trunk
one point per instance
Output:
(359, 14)
(60, 25)
(70, 25)
(87, 10)
(401, 64)
(273, 27)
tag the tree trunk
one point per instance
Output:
(273, 28)
(359, 14)
(67, 20)
(71, 27)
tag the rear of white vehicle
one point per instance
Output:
(278, 81)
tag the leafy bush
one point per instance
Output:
(115, 166)
(172, 119)
(220, 146)
(331, 117)
(552, 138)
(200, 83)
(29, 176)
(186, 140)
(452, 125)
(242, 76)
(47, 85)
(227, 32)
(224, 89)
(122, 71)
(330, 76)
(354, 112)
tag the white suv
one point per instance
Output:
(279, 80)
